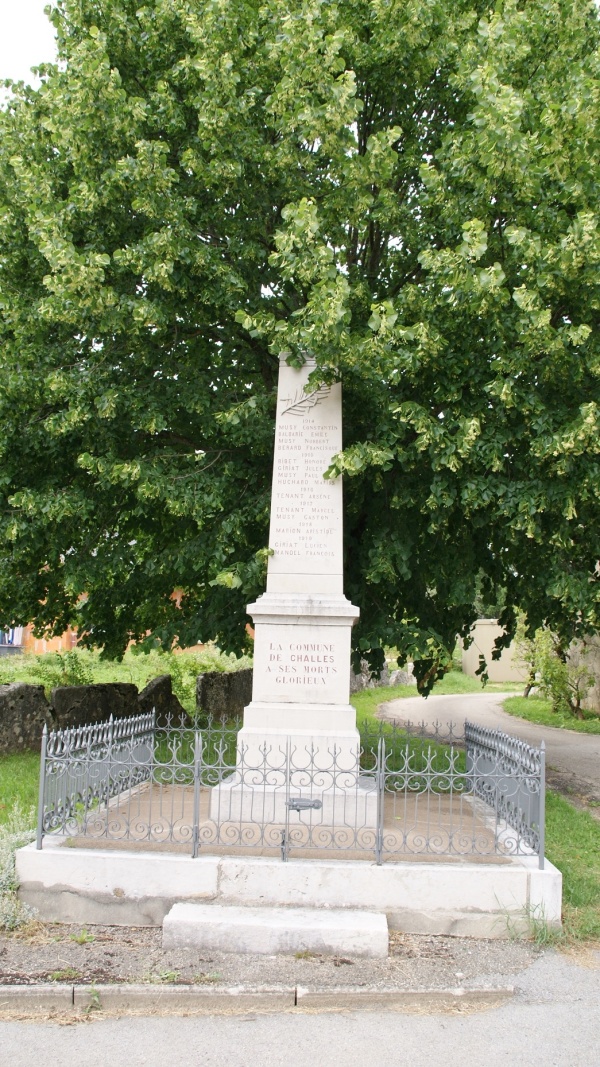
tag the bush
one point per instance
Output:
(562, 681)
(83, 667)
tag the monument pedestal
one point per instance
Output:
(301, 677)
(321, 801)
(299, 740)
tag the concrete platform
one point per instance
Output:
(276, 930)
(125, 887)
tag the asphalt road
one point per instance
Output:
(552, 1020)
(575, 756)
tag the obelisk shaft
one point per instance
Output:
(306, 510)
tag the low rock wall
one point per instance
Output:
(159, 696)
(24, 711)
(387, 677)
(223, 694)
(77, 705)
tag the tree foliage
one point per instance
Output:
(408, 189)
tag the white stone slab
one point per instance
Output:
(216, 928)
(305, 660)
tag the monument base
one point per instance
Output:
(470, 896)
(289, 769)
(353, 805)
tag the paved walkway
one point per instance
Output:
(574, 757)
(552, 1020)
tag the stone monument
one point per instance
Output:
(300, 715)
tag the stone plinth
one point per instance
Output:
(301, 679)
(461, 897)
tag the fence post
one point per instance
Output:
(285, 833)
(197, 783)
(42, 789)
(542, 830)
(380, 779)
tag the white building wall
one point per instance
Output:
(484, 633)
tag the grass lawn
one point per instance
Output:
(536, 709)
(19, 777)
(573, 845)
(457, 682)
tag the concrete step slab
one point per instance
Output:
(270, 931)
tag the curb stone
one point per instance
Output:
(38, 997)
(240, 1000)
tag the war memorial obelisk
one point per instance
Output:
(301, 678)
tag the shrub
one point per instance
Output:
(564, 682)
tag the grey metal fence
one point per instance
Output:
(83, 768)
(407, 791)
(510, 777)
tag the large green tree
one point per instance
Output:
(409, 190)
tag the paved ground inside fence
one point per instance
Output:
(573, 759)
(432, 826)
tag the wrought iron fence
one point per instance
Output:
(510, 777)
(407, 791)
(83, 768)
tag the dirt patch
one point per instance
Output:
(581, 793)
(47, 952)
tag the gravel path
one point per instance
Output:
(53, 952)
(572, 758)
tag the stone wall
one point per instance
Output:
(387, 677)
(159, 695)
(24, 711)
(76, 705)
(224, 693)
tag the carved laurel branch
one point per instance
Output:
(302, 402)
